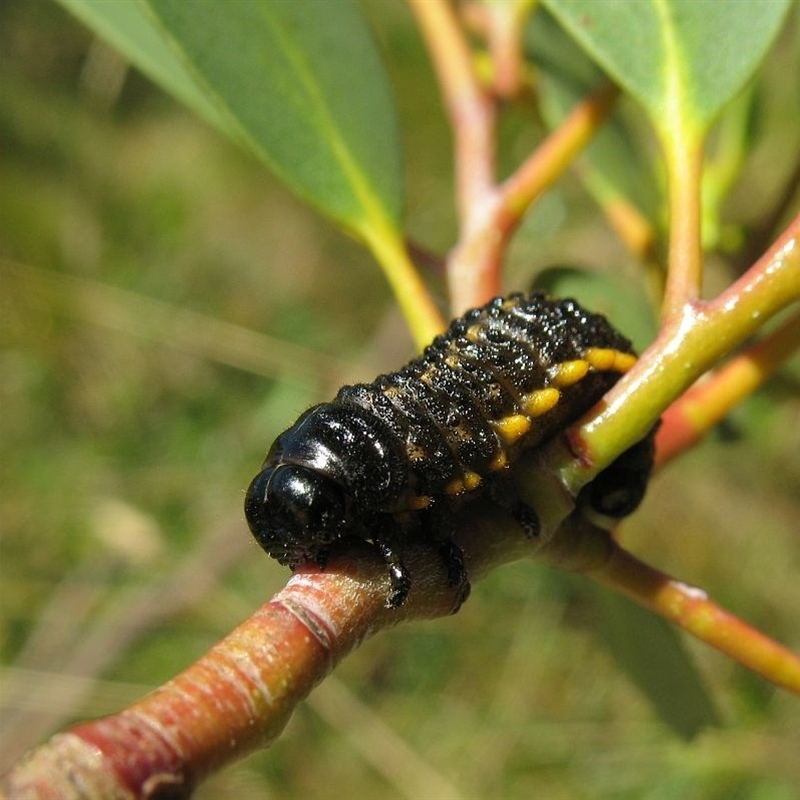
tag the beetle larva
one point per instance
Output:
(392, 459)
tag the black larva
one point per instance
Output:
(388, 460)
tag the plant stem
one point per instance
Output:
(419, 310)
(474, 264)
(554, 155)
(240, 694)
(687, 346)
(632, 227)
(688, 419)
(488, 214)
(502, 25)
(469, 107)
(691, 609)
(684, 160)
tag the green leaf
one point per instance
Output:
(725, 159)
(126, 25)
(567, 77)
(299, 85)
(652, 654)
(682, 59)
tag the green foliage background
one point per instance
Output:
(131, 428)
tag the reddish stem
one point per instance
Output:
(630, 224)
(686, 348)
(688, 419)
(502, 25)
(475, 264)
(235, 698)
(469, 107)
(488, 214)
(554, 155)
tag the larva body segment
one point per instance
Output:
(393, 458)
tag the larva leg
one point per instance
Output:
(620, 487)
(437, 528)
(453, 557)
(502, 491)
(391, 551)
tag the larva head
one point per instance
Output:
(295, 513)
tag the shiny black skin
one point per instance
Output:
(379, 462)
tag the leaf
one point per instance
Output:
(652, 654)
(126, 25)
(301, 86)
(682, 59)
(567, 77)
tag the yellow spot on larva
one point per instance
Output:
(473, 333)
(540, 402)
(604, 359)
(416, 452)
(568, 373)
(471, 481)
(428, 377)
(417, 502)
(500, 461)
(624, 361)
(454, 487)
(512, 428)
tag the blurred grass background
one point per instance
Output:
(167, 309)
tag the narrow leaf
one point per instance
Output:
(299, 85)
(654, 658)
(126, 25)
(567, 77)
(682, 59)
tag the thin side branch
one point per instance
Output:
(475, 263)
(554, 155)
(685, 349)
(502, 25)
(489, 213)
(707, 403)
(470, 109)
(693, 610)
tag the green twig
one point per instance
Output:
(707, 403)
(687, 346)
